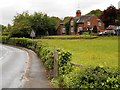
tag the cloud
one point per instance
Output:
(60, 8)
(119, 4)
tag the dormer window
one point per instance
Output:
(88, 23)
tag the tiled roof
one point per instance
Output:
(82, 19)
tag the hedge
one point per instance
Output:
(69, 76)
(93, 77)
(70, 37)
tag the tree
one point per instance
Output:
(118, 17)
(96, 12)
(67, 26)
(109, 16)
(21, 25)
(56, 21)
(40, 23)
(66, 19)
(2, 28)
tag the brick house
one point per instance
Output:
(85, 23)
(81, 24)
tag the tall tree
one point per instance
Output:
(21, 25)
(109, 16)
(3, 28)
(43, 24)
(118, 17)
(67, 26)
(66, 19)
(40, 23)
(96, 12)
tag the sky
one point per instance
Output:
(59, 8)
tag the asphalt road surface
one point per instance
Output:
(12, 65)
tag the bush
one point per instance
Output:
(4, 39)
(97, 78)
(46, 54)
(85, 36)
(85, 33)
(5, 33)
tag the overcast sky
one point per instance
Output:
(59, 8)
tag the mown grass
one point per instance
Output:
(101, 51)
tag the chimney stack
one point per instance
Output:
(78, 13)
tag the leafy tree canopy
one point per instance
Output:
(96, 12)
(109, 16)
(24, 23)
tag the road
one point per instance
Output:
(12, 65)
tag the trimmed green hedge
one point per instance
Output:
(70, 37)
(97, 77)
(46, 54)
(5, 33)
(4, 39)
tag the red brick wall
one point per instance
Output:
(93, 21)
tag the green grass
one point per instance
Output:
(101, 51)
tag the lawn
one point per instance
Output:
(101, 51)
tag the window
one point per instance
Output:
(80, 29)
(99, 24)
(63, 30)
(72, 23)
(88, 23)
(72, 29)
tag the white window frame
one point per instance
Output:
(72, 23)
(88, 23)
(99, 24)
(80, 29)
(72, 29)
(63, 30)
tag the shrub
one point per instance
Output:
(64, 62)
(5, 33)
(84, 36)
(46, 54)
(4, 39)
(97, 78)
